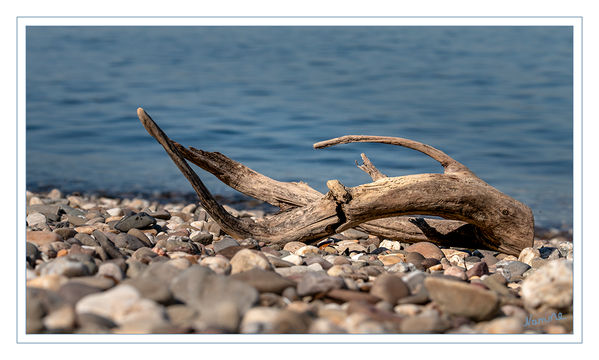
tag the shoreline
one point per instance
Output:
(244, 202)
(98, 264)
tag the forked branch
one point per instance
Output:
(477, 214)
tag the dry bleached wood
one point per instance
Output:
(476, 214)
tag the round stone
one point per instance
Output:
(427, 250)
(246, 259)
(389, 288)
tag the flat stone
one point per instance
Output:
(429, 323)
(123, 304)
(318, 260)
(224, 243)
(293, 246)
(101, 283)
(160, 214)
(246, 259)
(511, 269)
(293, 259)
(550, 286)
(150, 289)
(293, 270)
(72, 292)
(176, 245)
(36, 220)
(427, 250)
(305, 250)
(349, 247)
(391, 259)
(462, 299)
(391, 245)
(126, 241)
(86, 239)
(264, 281)
(76, 220)
(139, 221)
(390, 288)
(51, 212)
(40, 238)
(312, 283)
(267, 320)
(349, 295)
(69, 266)
(453, 252)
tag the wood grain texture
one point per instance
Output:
(475, 214)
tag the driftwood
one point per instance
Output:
(475, 214)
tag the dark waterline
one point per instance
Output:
(498, 99)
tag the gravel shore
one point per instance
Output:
(110, 265)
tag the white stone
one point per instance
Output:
(115, 211)
(391, 245)
(294, 259)
(122, 304)
(247, 259)
(315, 267)
(61, 318)
(36, 219)
(527, 254)
(308, 249)
(219, 264)
(189, 209)
(35, 201)
(259, 320)
(550, 285)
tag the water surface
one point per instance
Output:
(498, 99)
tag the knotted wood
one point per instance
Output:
(476, 215)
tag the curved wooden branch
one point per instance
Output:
(449, 164)
(496, 220)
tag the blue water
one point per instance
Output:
(498, 99)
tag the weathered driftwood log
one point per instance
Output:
(476, 214)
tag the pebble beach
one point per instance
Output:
(98, 265)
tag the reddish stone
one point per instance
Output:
(426, 249)
(40, 238)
